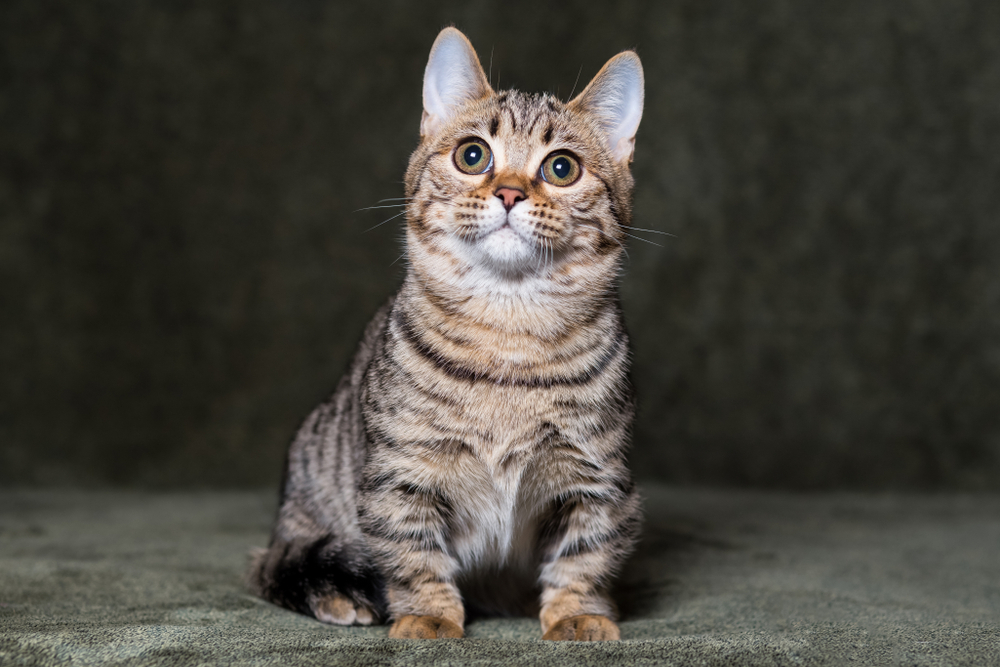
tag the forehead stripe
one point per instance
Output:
(513, 118)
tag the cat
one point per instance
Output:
(474, 454)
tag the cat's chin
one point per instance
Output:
(507, 253)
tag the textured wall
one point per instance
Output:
(183, 272)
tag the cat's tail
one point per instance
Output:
(335, 584)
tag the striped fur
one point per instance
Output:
(474, 454)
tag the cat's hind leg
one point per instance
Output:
(339, 609)
(334, 583)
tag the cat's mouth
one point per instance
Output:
(507, 248)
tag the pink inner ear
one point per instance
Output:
(625, 150)
(615, 96)
(452, 78)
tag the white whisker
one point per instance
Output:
(368, 208)
(578, 73)
(384, 221)
(638, 238)
(651, 231)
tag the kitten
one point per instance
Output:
(474, 453)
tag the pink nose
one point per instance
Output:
(510, 196)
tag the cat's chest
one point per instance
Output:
(502, 489)
(496, 511)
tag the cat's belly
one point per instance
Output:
(504, 591)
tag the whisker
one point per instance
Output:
(398, 258)
(368, 208)
(620, 244)
(384, 221)
(578, 73)
(394, 199)
(651, 231)
(638, 238)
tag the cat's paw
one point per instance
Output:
(338, 609)
(586, 628)
(425, 627)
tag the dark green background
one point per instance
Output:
(183, 273)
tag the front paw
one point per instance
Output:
(586, 628)
(425, 627)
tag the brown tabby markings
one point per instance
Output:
(476, 447)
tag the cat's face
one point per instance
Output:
(518, 184)
(511, 186)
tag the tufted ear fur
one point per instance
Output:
(615, 98)
(452, 78)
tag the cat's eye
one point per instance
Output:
(473, 157)
(561, 169)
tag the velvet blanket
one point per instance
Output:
(721, 577)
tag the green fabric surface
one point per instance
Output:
(721, 577)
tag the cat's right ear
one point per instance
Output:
(453, 77)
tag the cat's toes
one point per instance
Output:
(586, 628)
(424, 627)
(337, 609)
(363, 615)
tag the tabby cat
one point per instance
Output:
(473, 456)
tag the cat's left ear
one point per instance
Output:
(615, 98)
(453, 77)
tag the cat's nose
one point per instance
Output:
(510, 196)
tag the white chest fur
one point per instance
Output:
(496, 518)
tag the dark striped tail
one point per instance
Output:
(293, 575)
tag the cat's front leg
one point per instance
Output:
(406, 528)
(587, 536)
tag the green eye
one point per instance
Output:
(561, 169)
(473, 157)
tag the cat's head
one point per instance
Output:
(514, 186)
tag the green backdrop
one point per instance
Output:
(184, 270)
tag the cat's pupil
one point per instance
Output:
(473, 154)
(560, 167)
